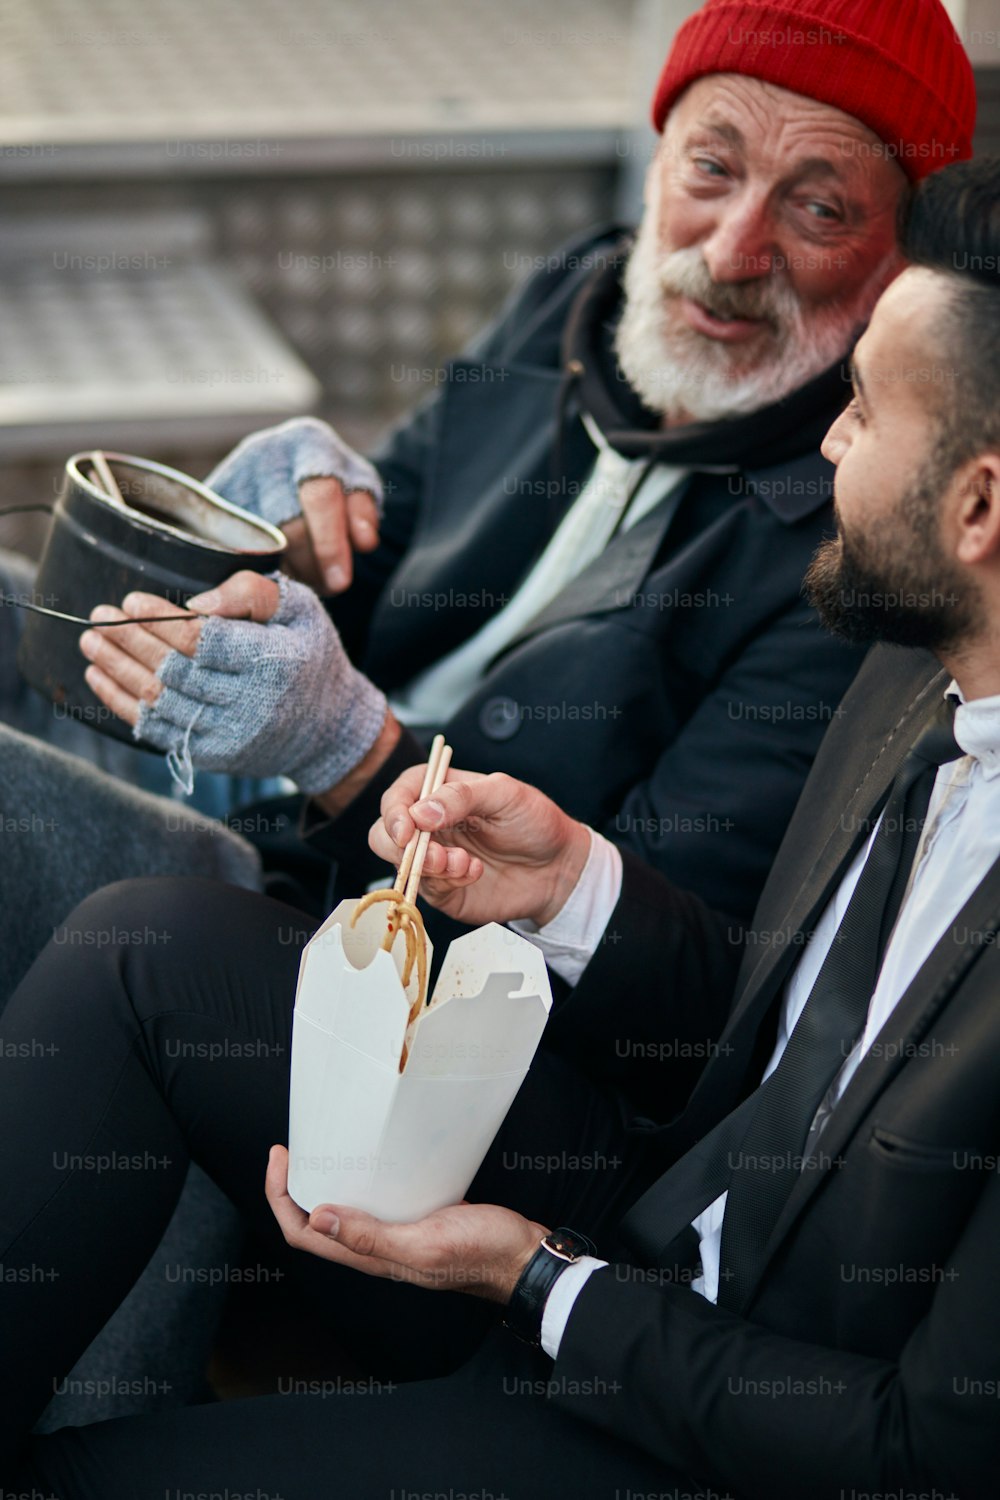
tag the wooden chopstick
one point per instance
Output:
(399, 886)
(424, 838)
(407, 884)
(437, 746)
(105, 475)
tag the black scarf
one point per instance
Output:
(787, 429)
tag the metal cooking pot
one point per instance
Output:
(168, 535)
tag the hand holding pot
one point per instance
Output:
(261, 688)
(325, 497)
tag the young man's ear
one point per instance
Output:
(977, 510)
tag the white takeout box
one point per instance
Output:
(401, 1145)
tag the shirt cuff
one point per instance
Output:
(569, 941)
(559, 1303)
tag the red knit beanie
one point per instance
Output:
(896, 65)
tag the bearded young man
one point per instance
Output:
(794, 1288)
(590, 566)
(595, 533)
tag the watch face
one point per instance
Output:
(567, 1245)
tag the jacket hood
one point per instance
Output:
(787, 429)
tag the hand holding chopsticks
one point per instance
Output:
(499, 849)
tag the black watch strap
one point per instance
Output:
(558, 1250)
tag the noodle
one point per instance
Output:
(411, 924)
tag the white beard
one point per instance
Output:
(679, 372)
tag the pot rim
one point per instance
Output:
(277, 539)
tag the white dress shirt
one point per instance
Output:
(960, 842)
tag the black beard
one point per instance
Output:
(917, 600)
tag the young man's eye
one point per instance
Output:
(853, 410)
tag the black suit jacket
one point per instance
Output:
(674, 694)
(867, 1358)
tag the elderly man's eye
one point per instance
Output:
(824, 211)
(710, 167)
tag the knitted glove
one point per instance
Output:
(264, 471)
(266, 700)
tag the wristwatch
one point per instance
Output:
(559, 1249)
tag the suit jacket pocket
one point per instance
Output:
(911, 1156)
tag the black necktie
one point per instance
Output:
(758, 1150)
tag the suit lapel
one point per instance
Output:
(931, 989)
(843, 841)
(720, 1083)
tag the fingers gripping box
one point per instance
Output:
(402, 1143)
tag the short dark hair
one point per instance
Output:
(951, 224)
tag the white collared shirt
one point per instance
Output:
(960, 842)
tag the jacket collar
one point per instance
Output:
(794, 489)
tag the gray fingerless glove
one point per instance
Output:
(281, 699)
(264, 471)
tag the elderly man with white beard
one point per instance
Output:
(582, 558)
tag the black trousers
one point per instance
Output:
(153, 1030)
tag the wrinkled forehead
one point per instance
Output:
(781, 132)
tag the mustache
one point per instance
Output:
(685, 274)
